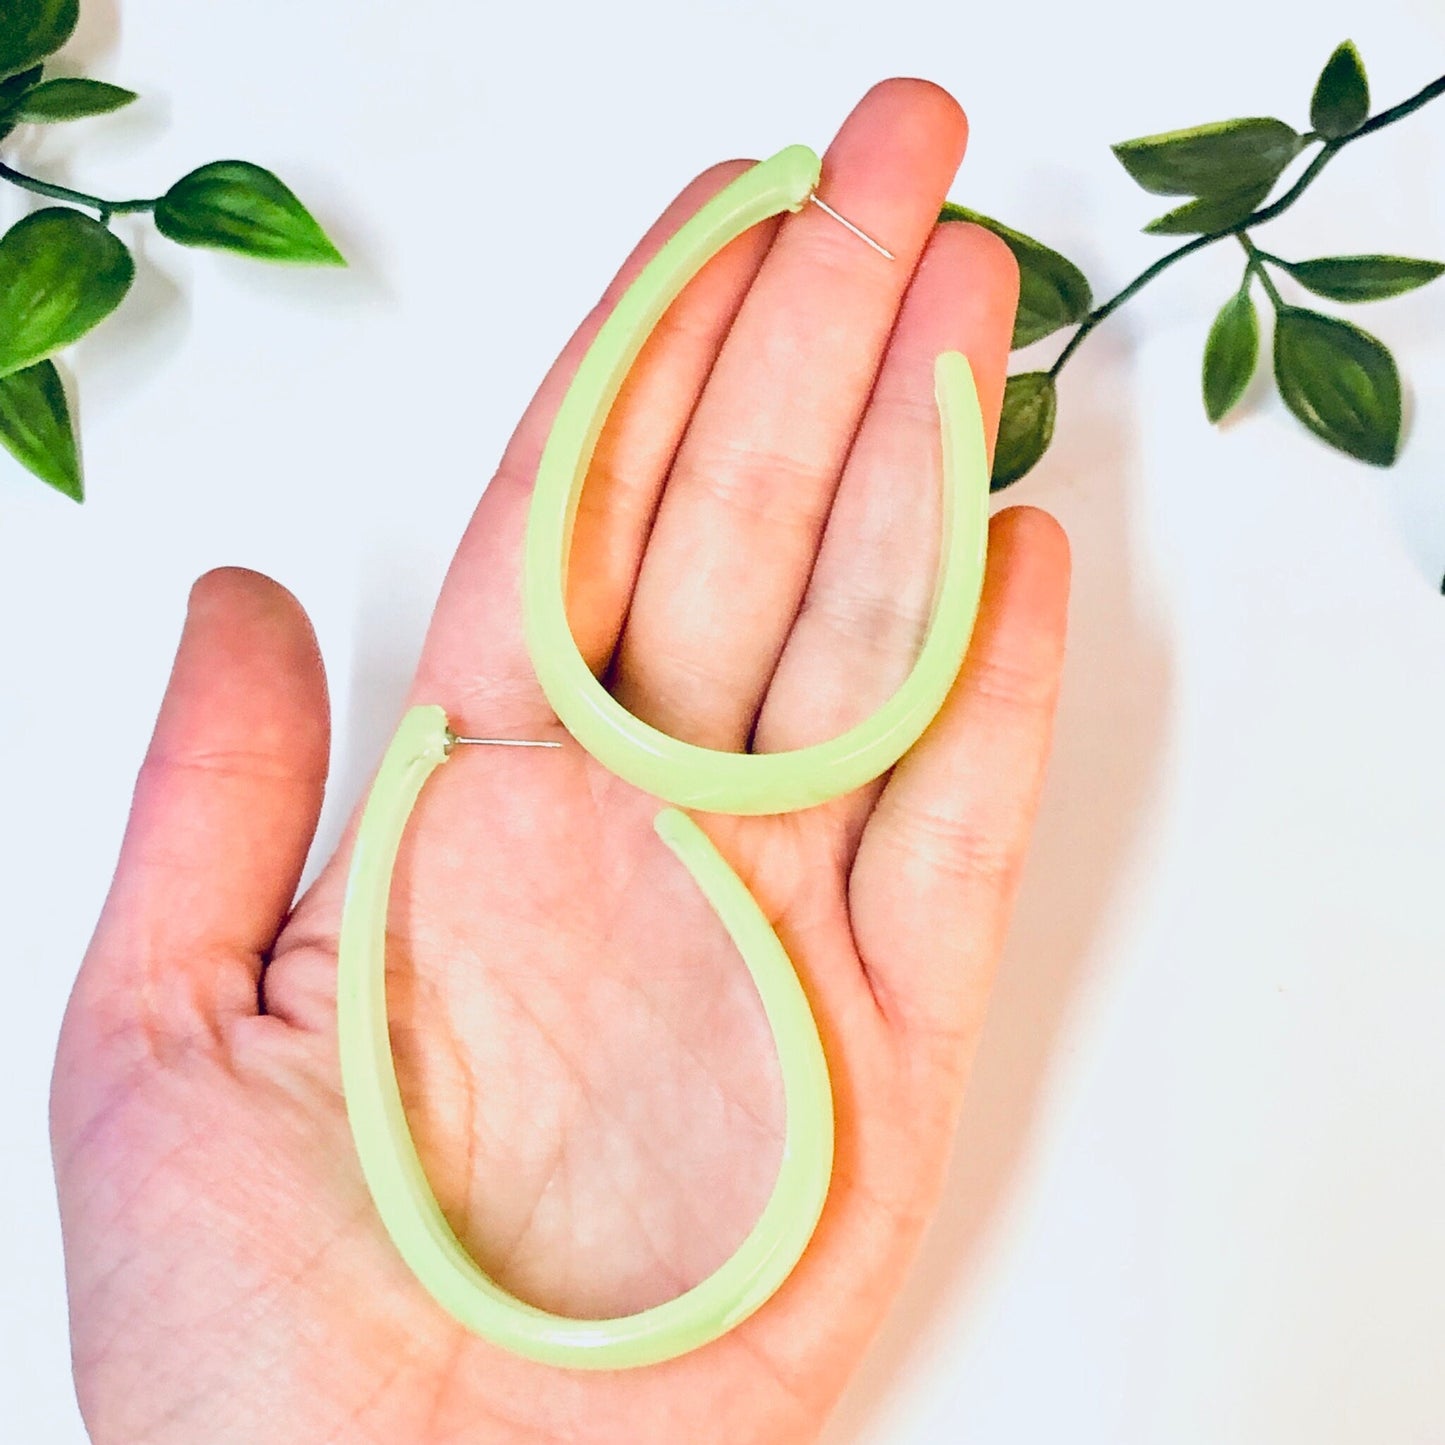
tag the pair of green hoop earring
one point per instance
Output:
(679, 773)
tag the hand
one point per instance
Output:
(585, 1065)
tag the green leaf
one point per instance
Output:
(69, 100)
(1340, 381)
(1211, 160)
(236, 206)
(1053, 292)
(1025, 428)
(1209, 213)
(32, 29)
(60, 274)
(35, 427)
(1362, 278)
(1230, 354)
(16, 85)
(11, 89)
(1341, 102)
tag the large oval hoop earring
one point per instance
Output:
(677, 772)
(393, 1169)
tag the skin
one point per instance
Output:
(585, 1067)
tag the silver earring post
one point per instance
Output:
(452, 739)
(843, 220)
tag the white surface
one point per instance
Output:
(1200, 1184)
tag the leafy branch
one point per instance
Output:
(1338, 380)
(62, 272)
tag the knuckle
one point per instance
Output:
(881, 622)
(762, 487)
(959, 848)
(1023, 680)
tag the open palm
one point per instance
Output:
(585, 1065)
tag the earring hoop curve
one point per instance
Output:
(679, 773)
(388, 1154)
(683, 773)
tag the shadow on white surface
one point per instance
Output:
(1413, 485)
(1109, 746)
(395, 596)
(129, 349)
(97, 35)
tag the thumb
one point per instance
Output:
(224, 811)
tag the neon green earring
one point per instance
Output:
(672, 770)
(694, 777)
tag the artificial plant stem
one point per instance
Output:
(1435, 89)
(1256, 264)
(1114, 302)
(76, 198)
(1319, 161)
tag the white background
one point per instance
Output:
(1200, 1183)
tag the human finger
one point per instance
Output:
(737, 530)
(225, 808)
(475, 659)
(868, 601)
(939, 861)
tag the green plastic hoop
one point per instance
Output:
(679, 773)
(393, 1169)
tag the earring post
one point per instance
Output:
(502, 742)
(857, 231)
